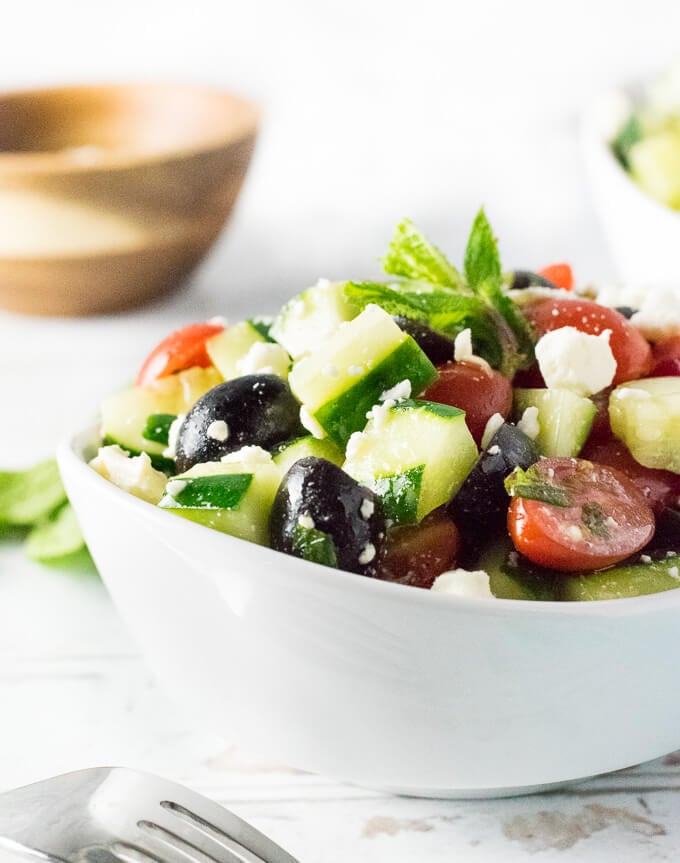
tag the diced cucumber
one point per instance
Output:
(55, 538)
(293, 450)
(28, 496)
(636, 579)
(157, 428)
(125, 414)
(340, 382)
(564, 419)
(645, 414)
(234, 351)
(655, 165)
(414, 455)
(310, 318)
(512, 577)
(233, 497)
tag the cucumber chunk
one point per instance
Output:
(237, 350)
(288, 453)
(645, 414)
(655, 165)
(58, 537)
(637, 579)
(310, 318)
(414, 455)
(340, 382)
(30, 495)
(564, 419)
(125, 415)
(232, 497)
(513, 577)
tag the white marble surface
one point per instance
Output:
(371, 111)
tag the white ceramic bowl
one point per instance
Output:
(643, 235)
(376, 683)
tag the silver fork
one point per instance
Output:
(116, 815)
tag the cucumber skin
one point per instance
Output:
(286, 454)
(159, 462)
(346, 414)
(637, 579)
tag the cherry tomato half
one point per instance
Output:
(666, 358)
(660, 488)
(180, 350)
(417, 554)
(631, 350)
(478, 390)
(606, 520)
(560, 275)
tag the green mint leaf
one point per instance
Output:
(55, 538)
(482, 261)
(413, 256)
(629, 135)
(315, 545)
(530, 485)
(593, 517)
(27, 497)
(390, 300)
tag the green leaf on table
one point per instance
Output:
(412, 256)
(28, 496)
(56, 537)
(629, 135)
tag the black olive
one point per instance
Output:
(481, 504)
(258, 410)
(320, 513)
(437, 347)
(522, 279)
(626, 311)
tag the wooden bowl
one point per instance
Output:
(110, 195)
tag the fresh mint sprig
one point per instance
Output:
(412, 256)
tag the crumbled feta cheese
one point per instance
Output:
(645, 558)
(658, 315)
(576, 361)
(462, 350)
(355, 371)
(134, 474)
(529, 424)
(264, 358)
(219, 321)
(310, 423)
(173, 435)
(379, 413)
(367, 554)
(248, 455)
(218, 430)
(494, 450)
(494, 422)
(398, 393)
(305, 520)
(673, 572)
(573, 532)
(353, 445)
(463, 582)
(631, 392)
(611, 522)
(330, 371)
(367, 508)
(175, 487)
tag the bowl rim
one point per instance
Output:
(70, 454)
(597, 135)
(62, 161)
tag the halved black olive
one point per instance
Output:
(522, 279)
(626, 311)
(436, 346)
(257, 410)
(320, 513)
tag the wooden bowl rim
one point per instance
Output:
(62, 162)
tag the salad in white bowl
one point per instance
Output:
(476, 432)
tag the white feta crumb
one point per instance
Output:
(494, 450)
(134, 474)
(463, 582)
(330, 371)
(529, 423)
(631, 393)
(248, 455)
(311, 424)
(367, 554)
(264, 358)
(658, 315)
(379, 413)
(353, 445)
(572, 360)
(305, 520)
(355, 371)
(218, 430)
(673, 572)
(219, 321)
(494, 422)
(645, 558)
(573, 532)
(367, 508)
(398, 393)
(611, 522)
(323, 284)
(173, 434)
(175, 487)
(462, 350)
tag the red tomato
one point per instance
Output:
(180, 350)
(666, 358)
(560, 275)
(606, 520)
(418, 553)
(476, 389)
(631, 350)
(660, 488)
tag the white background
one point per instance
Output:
(371, 111)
